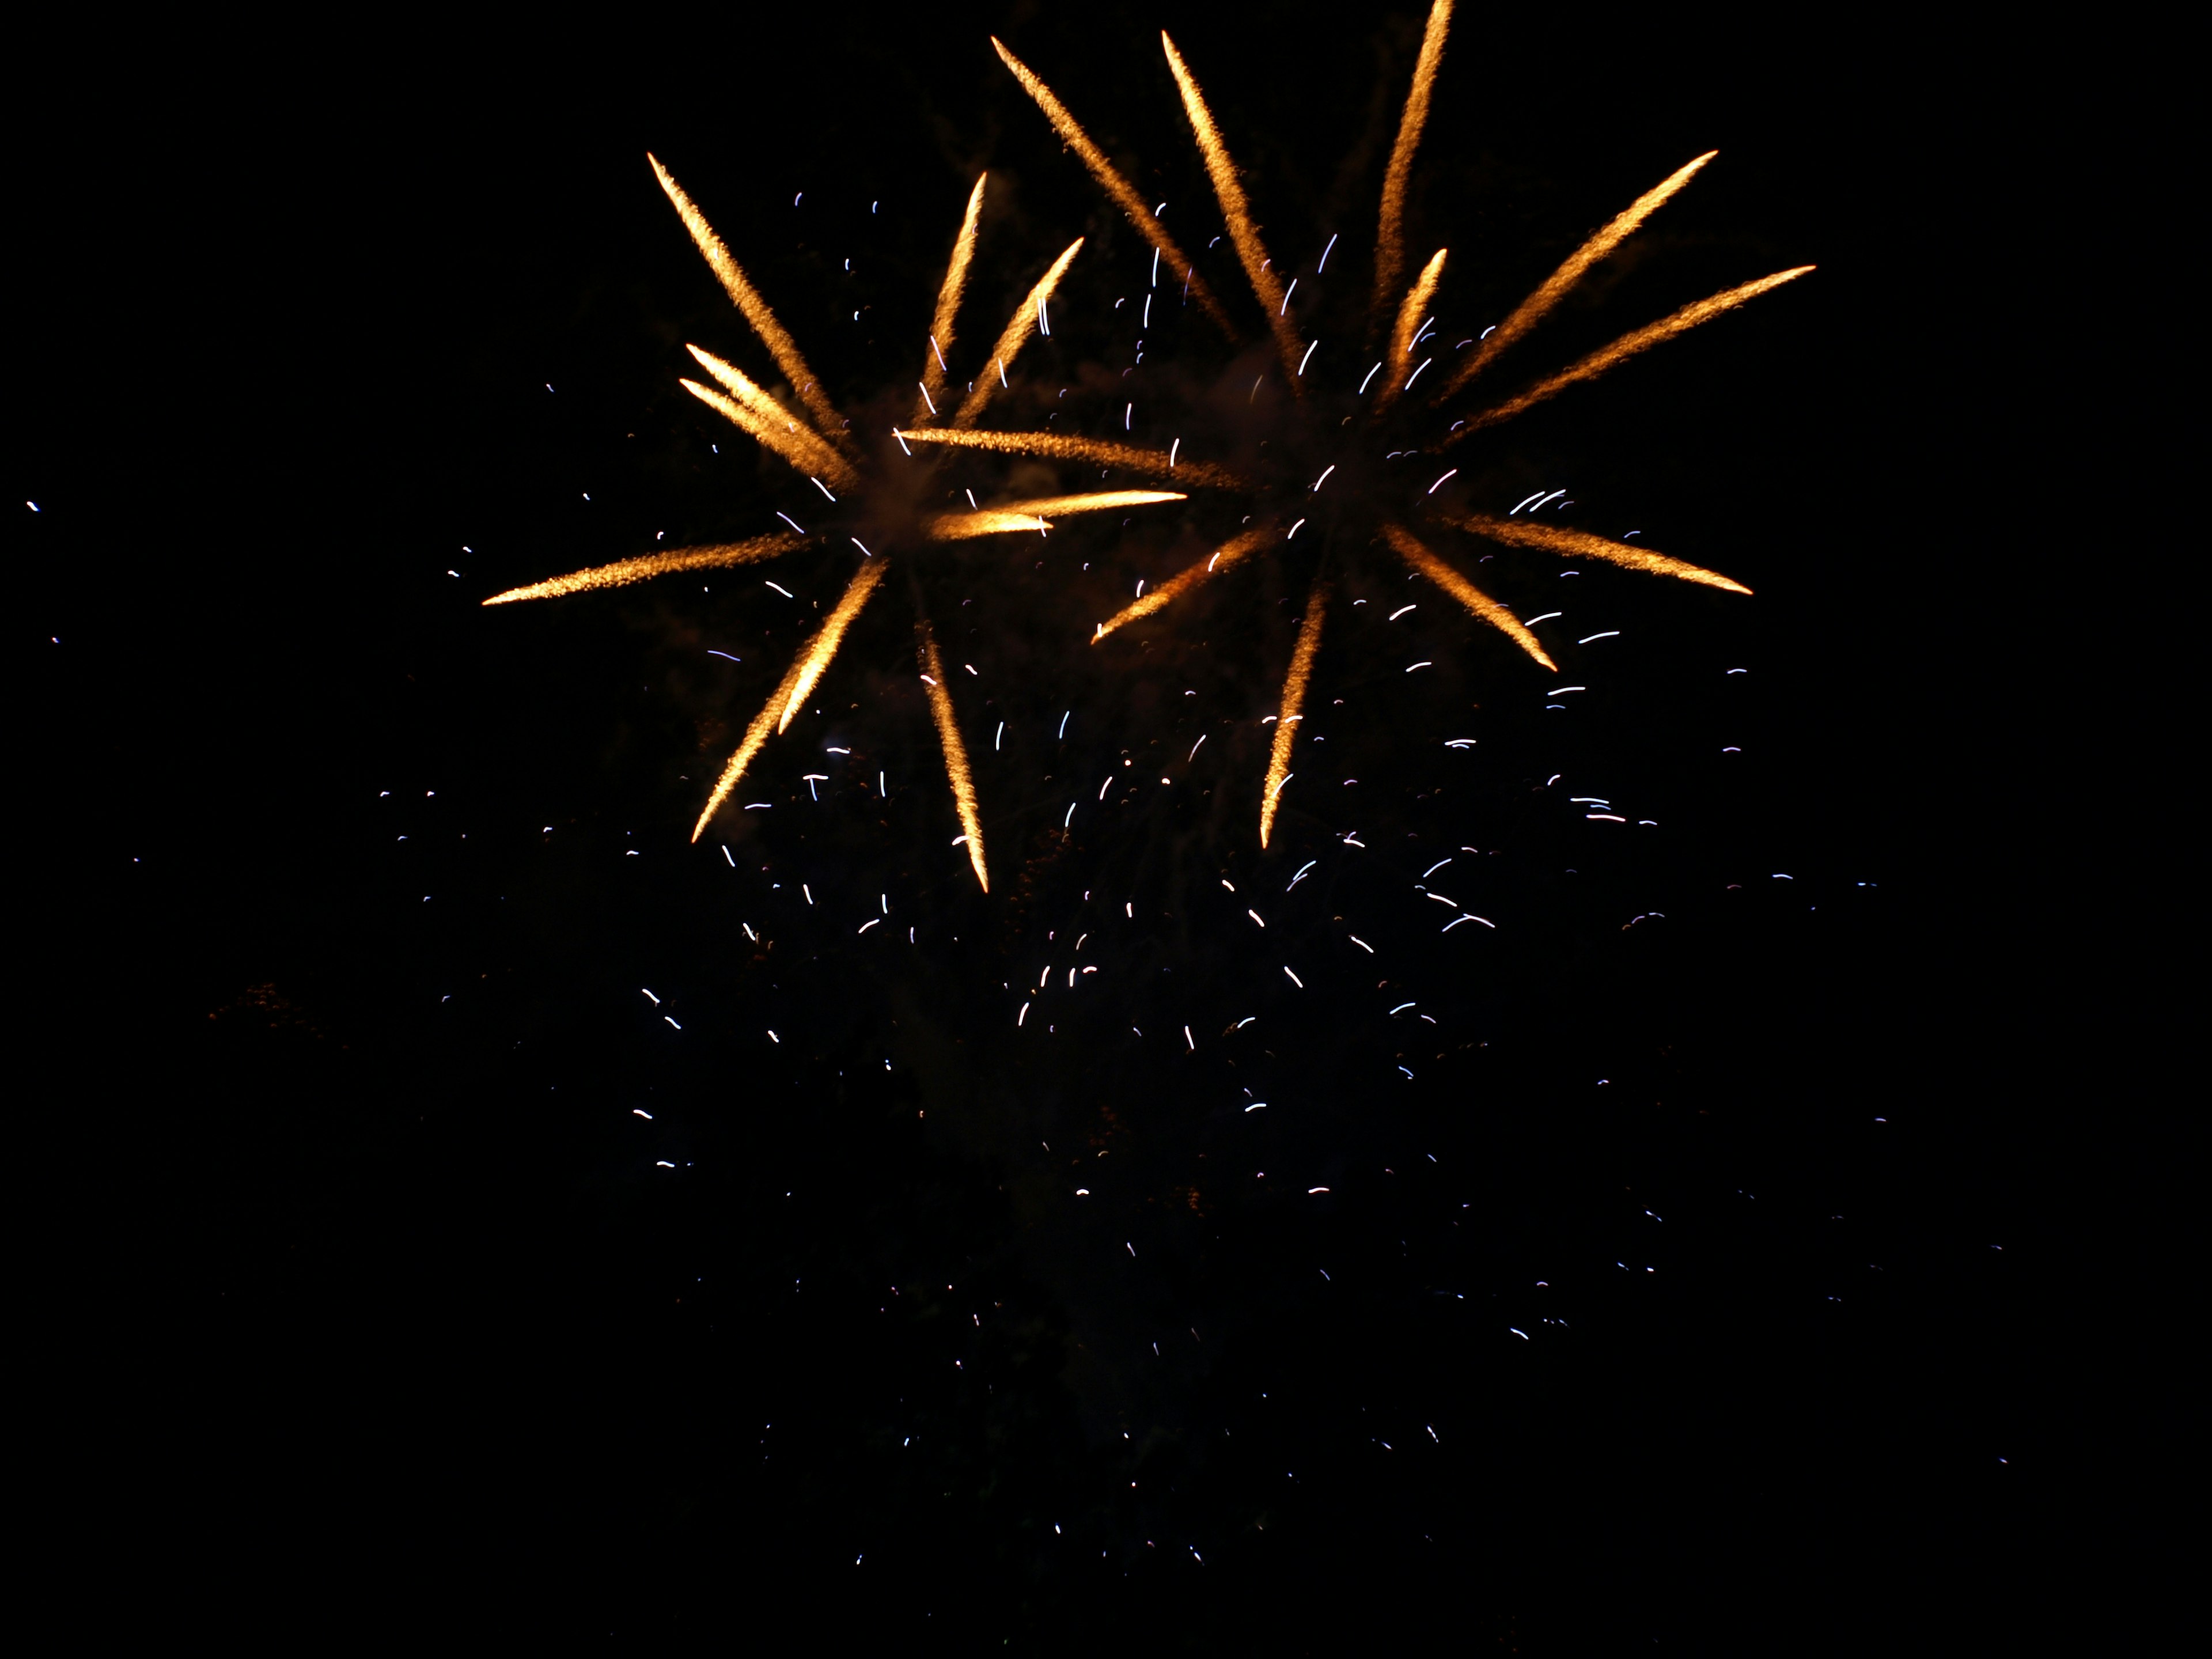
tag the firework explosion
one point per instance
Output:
(1335, 440)
(878, 496)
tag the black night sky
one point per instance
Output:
(433, 1237)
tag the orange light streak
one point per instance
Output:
(1227, 556)
(956, 752)
(798, 680)
(1104, 501)
(1624, 348)
(1158, 463)
(1018, 332)
(1293, 707)
(1465, 592)
(1576, 543)
(966, 526)
(948, 307)
(740, 289)
(672, 563)
(1234, 210)
(753, 411)
(1390, 233)
(1123, 193)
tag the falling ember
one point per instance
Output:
(1627, 347)
(739, 288)
(1159, 463)
(1414, 554)
(621, 574)
(941, 328)
(1230, 553)
(1103, 501)
(1242, 231)
(956, 752)
(1390, 233)
(1123, 193)
(1577, 543)
(1531, 311)
(1018, 330)
(1293, 705)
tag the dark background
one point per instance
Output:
(362, 1305)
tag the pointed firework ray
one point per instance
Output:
(1531, 311)
(1226, 557)
(1400, 362)
(1124, 195)
(1258, 268)
(1155, 463)
(1025, 321)
(753, 411)
(739, 288)
(941, 328)
(955, 752)
(1479, 603)
(1292, 709)
(671, 563)
(1390, 231)
(1623, 349)
(1576, 543)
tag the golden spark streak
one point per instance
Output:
(1238, 214)
(1123, 194)
(956, 752)
(1532, 310)
(1410, 317)
(1464, 591)
(1390, 234)
(1624, 348)
(1018, 329)
(674, 562)
(948, 307)
(1294, 700)
(1103, 501)
(740, 289)
(1576, 544)
(965, 527)
(832, 636)
(1229, 555)
(798, 680)
(1159, 463)
(755, 413)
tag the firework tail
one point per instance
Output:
(956, 752)
(1293, 705)
(1229, 555)
(1401, 337)
(740, 289)
(1122, 192)
(1238, 214)
(948, 307)
(1531, 311)
(1624, 348)
(672, 563)
(1419, 558)
(1018, 332)
(1390, 233)
(1580, 544)
(1154, 463)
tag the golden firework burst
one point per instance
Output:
(1402, 527)
(822, 447)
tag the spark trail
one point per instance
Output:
(1226, 557)
(1258, 269)
(1623, 349)
(1293, 707)
(1124, 194)
(1410, 549)
(1157, 463)
(1020, 327)
(1576, 543)
(740, 289)
(942, 325)
(956, 752)
(1390, 231)
(626, 571)
(1532, 310)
